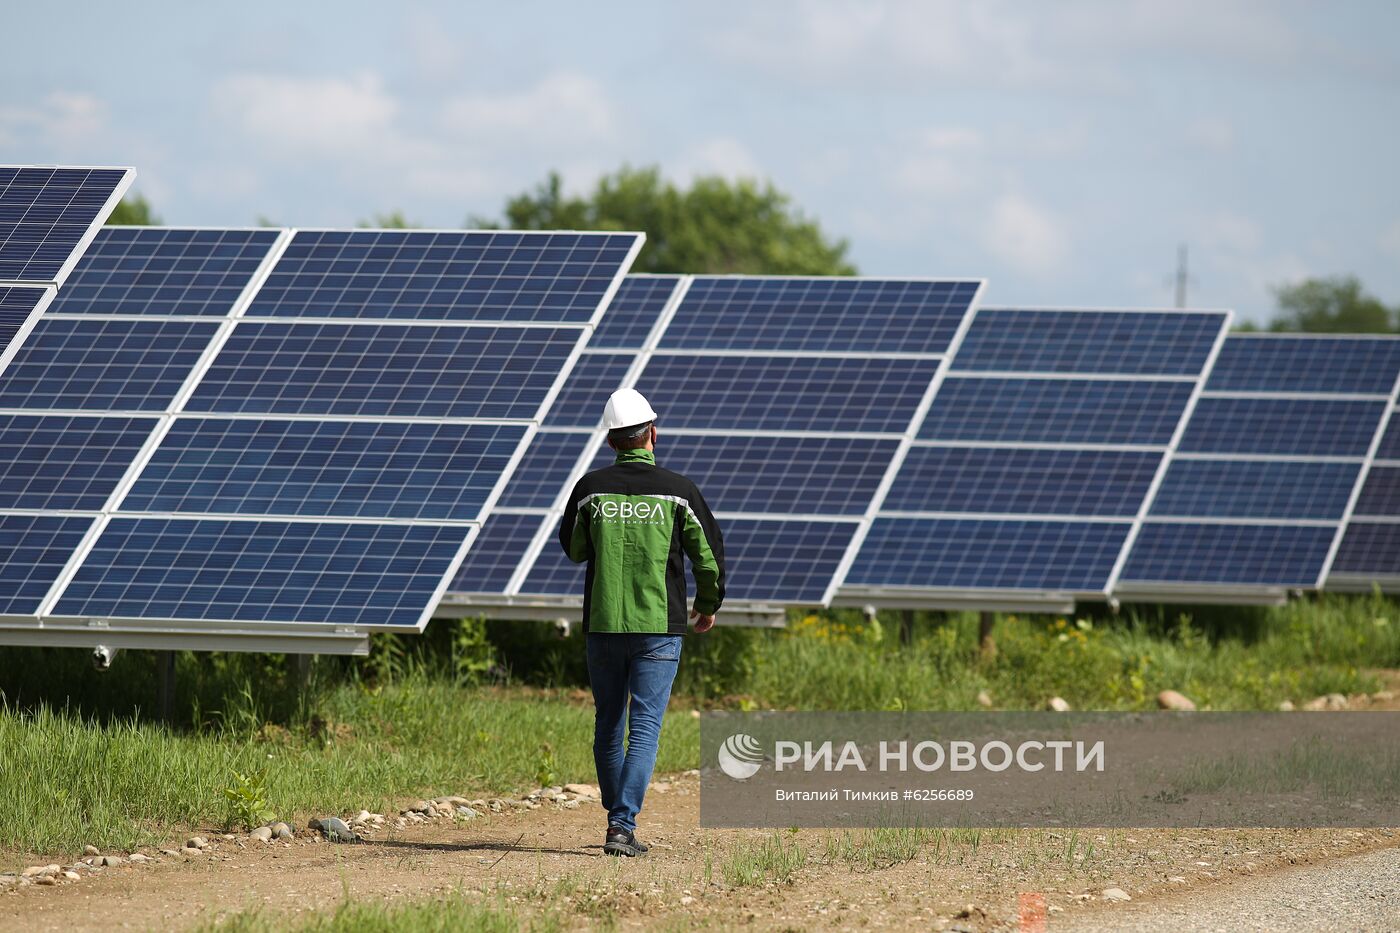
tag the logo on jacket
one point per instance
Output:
(627, 510)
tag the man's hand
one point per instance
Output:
(702, 623)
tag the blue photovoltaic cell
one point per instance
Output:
(543, 472)
(765, 561)
(33, 551)
(1380, 495)
(385, 369)
(1369, 548)
(1027, 482)
(61, 462)
(781, 475)
(125, 365)
(349, 469)
(44, 215)
(1056, 410)
(1261, 555)
(17, 302)
(263, 571)
(580, 401)
(634, 311)
(1155, 343)
(1306, 364)
(1255, 489)
(1389, 448)
(498, 552)
(158, 270)
(786, 393)
(815, 314)
(446, 276)
(988, 554)
(1322, 427)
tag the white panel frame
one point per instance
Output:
(128, 176)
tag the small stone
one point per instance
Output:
(72, 876)
(282, 831)
(361, 817)
(91, 850)
(1331, 701)
(138, 858)
(191, 851)
(1383, 696)
(568, 804)
(1057, 704)
(687, 901)
(1176, 879)
(108, 861)
(1170, 699)
(984, 699)
(169, 851)
(336, 830)
(695, 714)
(39, 871)
(421, 806)
(262, 834)
(197, 842)
(1116, 894)
(582, 790)
(1286, 706)
(45, 879)
(465, 812)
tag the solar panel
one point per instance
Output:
(68, 463)
(499, 551)
(634, 311)
(169, 271)
(19, 305)
(262, 571)
(1370, 551)
(765, 393)
(33, 551)
(1003, 554)
(819, 314)
(784, 398)
(545, 469)
(48, 215)
(300, 478)
(424, 275)
(1058, 411)
(1146, 343)
(385, 370)
(1267, 471)
(104, 364)
(1032, 467)
(353, 469)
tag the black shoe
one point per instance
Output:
(622, 842)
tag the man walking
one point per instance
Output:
(632, 521)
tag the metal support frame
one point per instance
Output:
(525, 608)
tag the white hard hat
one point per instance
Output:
(626, 408)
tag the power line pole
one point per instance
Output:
(1182, 276)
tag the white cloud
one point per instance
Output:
(1390, 240)
(308, 115)
(63, 121)
(1024, 235)
(722, 155)
(942, 162)
(564, 108)
(1226, 231)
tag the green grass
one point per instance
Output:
(435, 915)
(771, 861)
(70, 781)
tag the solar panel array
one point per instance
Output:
(1029, 474)
(787, 400)
(1265, 474)
(279, 431)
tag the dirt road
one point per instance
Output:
(549, 859)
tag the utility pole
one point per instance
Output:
(1182, 276)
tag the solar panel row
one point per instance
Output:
(48, 215)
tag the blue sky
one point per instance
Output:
(1061, 149)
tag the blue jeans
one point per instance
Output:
(639, 668)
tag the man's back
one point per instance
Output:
(632, 522)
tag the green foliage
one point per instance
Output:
(1332, 305)
(393, 220)
(453, 913)
(247, 800)
(546, 773)
(133, 212)
(770, 861)
(714, 226)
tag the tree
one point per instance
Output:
(394, 220)
(714, 226)
(1332, 305)
(133, 212)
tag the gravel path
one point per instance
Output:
(1353, 894)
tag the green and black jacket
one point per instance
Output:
(632, 521)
